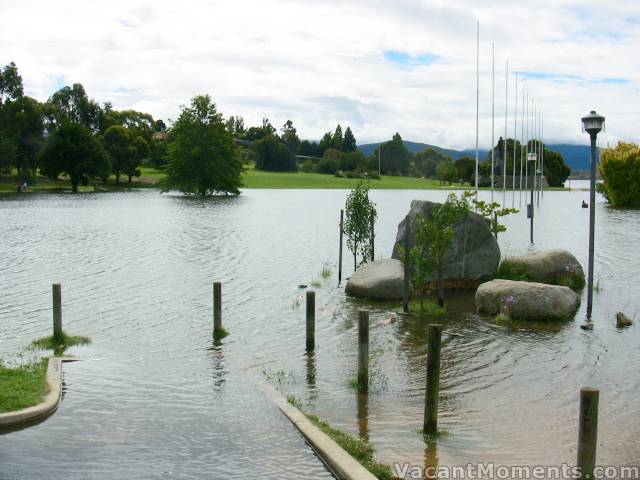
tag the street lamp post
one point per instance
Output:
(531, 159)
(592, 124)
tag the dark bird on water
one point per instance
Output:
(585, 204)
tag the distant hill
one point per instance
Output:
(415, 147)
(575, 156)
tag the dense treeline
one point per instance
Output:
(620, 170)
(71, 134)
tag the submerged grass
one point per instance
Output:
(22, 386)
(511, 271)
(315, 283)
(361, 451)
(426, 308)
(220, 333)
(60, 344)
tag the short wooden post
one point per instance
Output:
(363, 351)
(373, 238)
(433, 380)
(57, 311)
(311, 321)
(588, 432)
(217, 309)
(407, 223)
(340, 254)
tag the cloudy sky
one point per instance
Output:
(379, 66)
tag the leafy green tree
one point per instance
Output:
(159, 126)
(433, 238)
(10, 84)
(466, 168)
(336, 139)
(118, 142)
(426, 161)
(8, 153)
(202, 156)
(620, 169)
(290, 137)
(272, 155)
(73, 150)
(354, 161)
(256, 133)
(22, 120)
(348, 141)
(492, 211)
(360, 214)
(555, 170)
(395, 158)
(447, 172)
(140, 124)
(309, 149)
(72, 104)
(235, 125)
(325, 142)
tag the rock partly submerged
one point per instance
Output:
(527, 300)
(474, 256)
(555, 267)
(381, 280)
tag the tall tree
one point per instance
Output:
(348, 141)
(74, 105)
(395, 157)
(118, 142)
(620, 169)
(360, 214)
(22, 120)
(202, 156)
(290, 137)
(72, 149)
(336, 139)
(325, 142)
(235, 125)
(272, 155)
(10, 84)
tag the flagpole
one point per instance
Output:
(504, 144)
(493, 114)
(521, 146)
(515, 136)
(477, 97)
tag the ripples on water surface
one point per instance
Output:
(155, 401)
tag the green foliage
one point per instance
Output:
(427, 308)
(360, 450)
(60, 344)
(433, 238)
(511, 271)
(492, 211)
(426, 162)
(235, 126)
(307, 166)
(353, 161)
(256, 133)
(8, 153)
(328, 165)
(394, 156)
(620, 169)
(220, 333)
(360, 213)
(10, 84)
(447, 172)
(202, 156)
(22, 386)
(22, 124)
(272, 155)
(72, 104)
(348, 141)
(555, 170)
(336, 139)
(466, 169)
(290, 137)
(73, 150)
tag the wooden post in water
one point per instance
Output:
(311, 321)
(57, 311)
(433, 380)
(373, 238)
(405, 304)
(363, 351)
(340, 254)
(217, 309)
(588, 432)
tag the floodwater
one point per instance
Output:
(154, 398)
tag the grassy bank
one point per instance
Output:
(22, 386)
(252, 179)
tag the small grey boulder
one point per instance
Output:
(527, 300)
(381, 280)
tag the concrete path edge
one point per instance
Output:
(339, 462)
(45, 408)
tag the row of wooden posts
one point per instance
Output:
(589, 397)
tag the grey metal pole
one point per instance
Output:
(592, 223)
(493, 115)
(373, 239)
(477, 99)
(504, 144)
(340, 254)
(311, 321)
(407, 227)
(57, 311)
(515, 136)
(588, 432)
(532, 209)
(433, 380)
(363, 351)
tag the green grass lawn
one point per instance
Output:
(22, 386)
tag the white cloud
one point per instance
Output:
(320, 63)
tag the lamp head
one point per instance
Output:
(592, 123)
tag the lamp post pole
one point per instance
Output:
(531, 158)
(592, 124)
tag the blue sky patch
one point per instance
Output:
(406, 60)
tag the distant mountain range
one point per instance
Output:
(575, 156)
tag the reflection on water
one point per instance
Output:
(137, 269)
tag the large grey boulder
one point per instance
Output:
(474, 256)
(557, 267)
(382, 280)
(527, 300)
